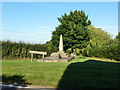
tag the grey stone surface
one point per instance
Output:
(57, 60)
(63, 54)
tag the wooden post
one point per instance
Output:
(31, 57)
(43, 57)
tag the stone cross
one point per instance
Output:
(61, 43)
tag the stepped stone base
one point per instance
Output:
(57, 60)
(57, 55)
(60, 56)
(63, 54)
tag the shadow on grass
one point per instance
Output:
(91, 74)
(17, 80)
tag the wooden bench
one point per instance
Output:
(37, 52)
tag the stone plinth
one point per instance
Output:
(55, 55)
(57, 60)
(63, 54)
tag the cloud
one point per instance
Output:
(31, 37)
(39, 35)
(45, 27)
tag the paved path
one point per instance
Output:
(13, 87)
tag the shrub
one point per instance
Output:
(104, 51)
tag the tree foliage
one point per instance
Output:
(98, 36)
(102, 45)
(73, 27)
(118, 36)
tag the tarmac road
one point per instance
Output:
(13, 87)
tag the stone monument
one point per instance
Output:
(59, 56)
(61, 52)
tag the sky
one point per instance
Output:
(33, 22)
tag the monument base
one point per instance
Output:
(57, 60)
(63, 54)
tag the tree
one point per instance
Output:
(99, 36)
(102, 44)
(118, 36)
(73, 27)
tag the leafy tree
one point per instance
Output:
(118, 36)
(73, 27)
(99, 36)
(102, 45)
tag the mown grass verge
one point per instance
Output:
(78, 73)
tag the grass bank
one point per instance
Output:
(79, 73)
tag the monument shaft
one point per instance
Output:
(61, 43)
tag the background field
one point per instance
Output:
(78, 73)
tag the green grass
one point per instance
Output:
(78, 73)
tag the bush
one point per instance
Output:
(104, 51)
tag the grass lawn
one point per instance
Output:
(78, 73)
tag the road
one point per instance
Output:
(13, 87)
